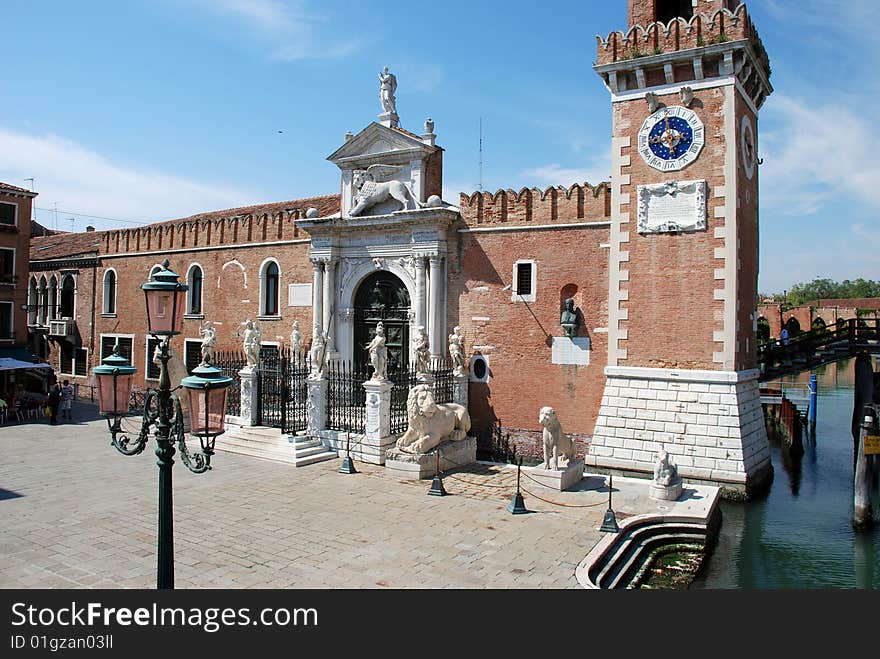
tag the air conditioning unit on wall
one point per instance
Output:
(61, 328)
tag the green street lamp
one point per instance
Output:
(165, 296)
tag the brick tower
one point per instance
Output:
(687, 81)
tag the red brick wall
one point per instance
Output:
(672, 310)
(516, 337)
(17, 238)
(226, 302)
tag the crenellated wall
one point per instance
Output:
(193, 234)
(532, 205)
(657, 38)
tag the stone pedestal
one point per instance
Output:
(710, 422)
(249, 396)
(669, 492)
(378, 413)
(424, 465)
(460, 389)
(317, 405)
(559, 480)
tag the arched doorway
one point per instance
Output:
(763, 330)
(382, 296)
(793, 327)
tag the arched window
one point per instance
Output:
(269, 289)
(194, 294)
(109, 306)
(32, 301)
(44, 302)
(819, 326)
(53, 298)
(68, 291)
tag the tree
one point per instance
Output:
(819, 289)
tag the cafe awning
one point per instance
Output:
(10, 364)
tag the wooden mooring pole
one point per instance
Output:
(869, 445)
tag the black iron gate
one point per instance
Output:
(282, 389)
(231, 362)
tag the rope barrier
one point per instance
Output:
(562, 505)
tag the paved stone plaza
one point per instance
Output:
(77, 514)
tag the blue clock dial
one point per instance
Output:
(670, 138)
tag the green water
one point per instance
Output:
(800, 535)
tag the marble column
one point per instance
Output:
(435, 331)
(421, 291)
(329, 306)
(318, 297)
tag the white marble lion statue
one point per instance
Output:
(556, 443)
(371, 192)
(430, 423)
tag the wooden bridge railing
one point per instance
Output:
(842, 340)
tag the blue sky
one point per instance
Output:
(152, 109)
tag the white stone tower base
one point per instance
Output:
(711, 422)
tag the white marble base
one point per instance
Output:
(670, 492)
(559, 480)
(710, 422)
(424, 465)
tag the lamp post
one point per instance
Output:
(206, 389)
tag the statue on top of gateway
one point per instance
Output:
(387, 87)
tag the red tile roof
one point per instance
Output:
(16, 189)
(326, 205)
(72, 245)
(65, 245)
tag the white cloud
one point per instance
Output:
(815, 155)
(556, 174)
(83, 181)
(287, 26)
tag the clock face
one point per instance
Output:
(671, 138)
(747, 145)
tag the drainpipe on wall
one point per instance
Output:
(92, 326)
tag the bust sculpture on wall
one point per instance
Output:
(569, 318)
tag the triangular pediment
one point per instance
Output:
(377, 141)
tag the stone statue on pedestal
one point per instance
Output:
(387, 88)
(252, 339)
(421, 349)
(296, 339)
(456, 351)
(665, 471)
(318, 353)
(667, 484)
(556, 443)
(379, 354)
(209, 342)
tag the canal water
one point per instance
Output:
(800, 534)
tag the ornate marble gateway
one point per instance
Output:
(672, 207)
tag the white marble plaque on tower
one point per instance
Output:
(672, 207)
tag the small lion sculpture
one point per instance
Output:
(556, 443)
(430, 423)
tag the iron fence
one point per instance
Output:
(403, 380)
(346, 397)
(295, 415)
(444, 383)
(231, 362)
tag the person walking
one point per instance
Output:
(66, 400)
(54, 402)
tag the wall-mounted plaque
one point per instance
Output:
(672, 207)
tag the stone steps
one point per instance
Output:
(272, 444)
